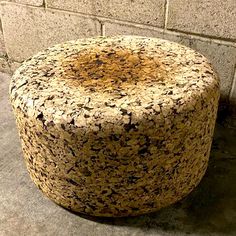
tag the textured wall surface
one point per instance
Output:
(28, 26)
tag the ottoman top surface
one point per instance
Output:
(110, 75)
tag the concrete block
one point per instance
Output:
(149, 12)
(2, 44)
(213, 17)
(29, 2)
(4, 66)
(33, 29)
(178, 38)
(223, 58)
(112, 29)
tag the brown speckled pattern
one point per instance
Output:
(116, 126)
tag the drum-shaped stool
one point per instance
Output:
(116, 126)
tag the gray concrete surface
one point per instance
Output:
(209, 210)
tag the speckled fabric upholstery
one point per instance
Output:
(116, 126)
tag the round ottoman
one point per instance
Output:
(116, 126)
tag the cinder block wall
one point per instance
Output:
(28, 26)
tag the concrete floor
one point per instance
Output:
(209, 210)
